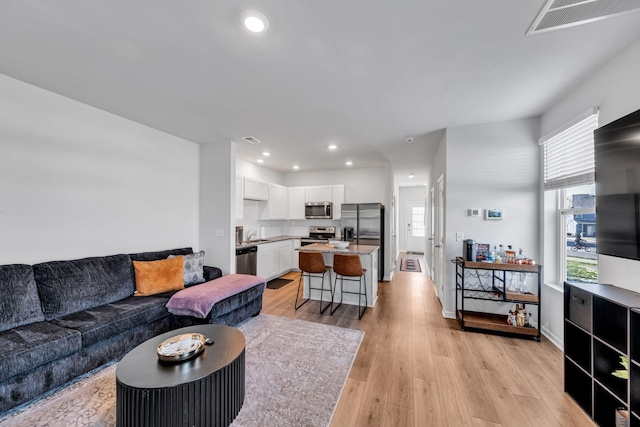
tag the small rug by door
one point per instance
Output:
(410, 264)
(277, 283)
(295, 373)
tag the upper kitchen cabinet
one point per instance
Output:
(321, 193)
(239, 198)
(256, 190)
(278, 204)
(337, 199)
(297, 198)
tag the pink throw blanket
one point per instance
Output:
(198, 300)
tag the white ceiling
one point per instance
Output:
(359, 73)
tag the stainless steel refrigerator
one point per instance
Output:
(363, 224)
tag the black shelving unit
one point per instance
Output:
(488, 282)
(601, 325)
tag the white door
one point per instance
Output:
(415, 226)
(439, 240)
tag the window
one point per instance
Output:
(417, 221)
(578, 220)
(569, 180)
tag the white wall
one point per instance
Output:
(409, 194)
(217, 204)
(615, 89)
(493, 165)
(247, 169)
(76, 181)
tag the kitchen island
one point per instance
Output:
(368, 258)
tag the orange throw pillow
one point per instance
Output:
(155, 277)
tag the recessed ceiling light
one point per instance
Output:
(296, 167)
(255, 21)
(333, 147)
(411, 175)
(349, 163)
(260, 161)
(266, 154)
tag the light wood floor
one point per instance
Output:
(416, 368)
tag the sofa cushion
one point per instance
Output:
(197, 301)
(211, 273)
(154, 277)
(109, 320)
(154, 256)
(71, 286)
(19, 300)
(241, 299)
(29, 346)
(193, 270)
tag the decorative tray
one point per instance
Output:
(169, 350)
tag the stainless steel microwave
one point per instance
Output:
(318, 210)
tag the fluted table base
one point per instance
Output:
(197, 392)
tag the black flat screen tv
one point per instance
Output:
(617, 157)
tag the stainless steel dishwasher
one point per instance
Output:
(247, 260)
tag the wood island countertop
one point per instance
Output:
(329, 249)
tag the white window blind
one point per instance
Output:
(568, 155)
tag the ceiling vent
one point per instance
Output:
(558, 14)
(251, 140)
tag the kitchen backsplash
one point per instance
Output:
(251, 222)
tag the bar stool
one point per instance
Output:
(348, 267)
(312, 264)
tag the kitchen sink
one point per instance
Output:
(256, 241)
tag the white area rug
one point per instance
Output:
(295, 372)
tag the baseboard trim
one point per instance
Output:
(449, 314)
(551, 337)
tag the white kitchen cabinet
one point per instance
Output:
(319, 193)
(284, 253)
(278, 204)
(297, 198)
(275, 258)
(256, 190)
(239, 198)
(268, 260)
(337, 200)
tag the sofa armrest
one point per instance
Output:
(211, 273)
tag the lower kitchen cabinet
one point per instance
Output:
(601, 336)
(268, 260)
(275, 259)
(284, 253)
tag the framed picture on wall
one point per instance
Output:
(494, 214)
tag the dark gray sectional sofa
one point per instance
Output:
(61, 319)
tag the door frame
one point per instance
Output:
(439, 265)
(432, 231)
(411, 241)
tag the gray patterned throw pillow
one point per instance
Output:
(193, 268)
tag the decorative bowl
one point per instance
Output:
(339, 244)
(169, 350)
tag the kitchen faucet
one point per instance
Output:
(251, 234)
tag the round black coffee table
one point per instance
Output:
(207, 390)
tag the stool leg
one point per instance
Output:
(322, 310)
(298, 292)
(360, 296)
(333, 310)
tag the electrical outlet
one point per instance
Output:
(219, 232)
(459, 236)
